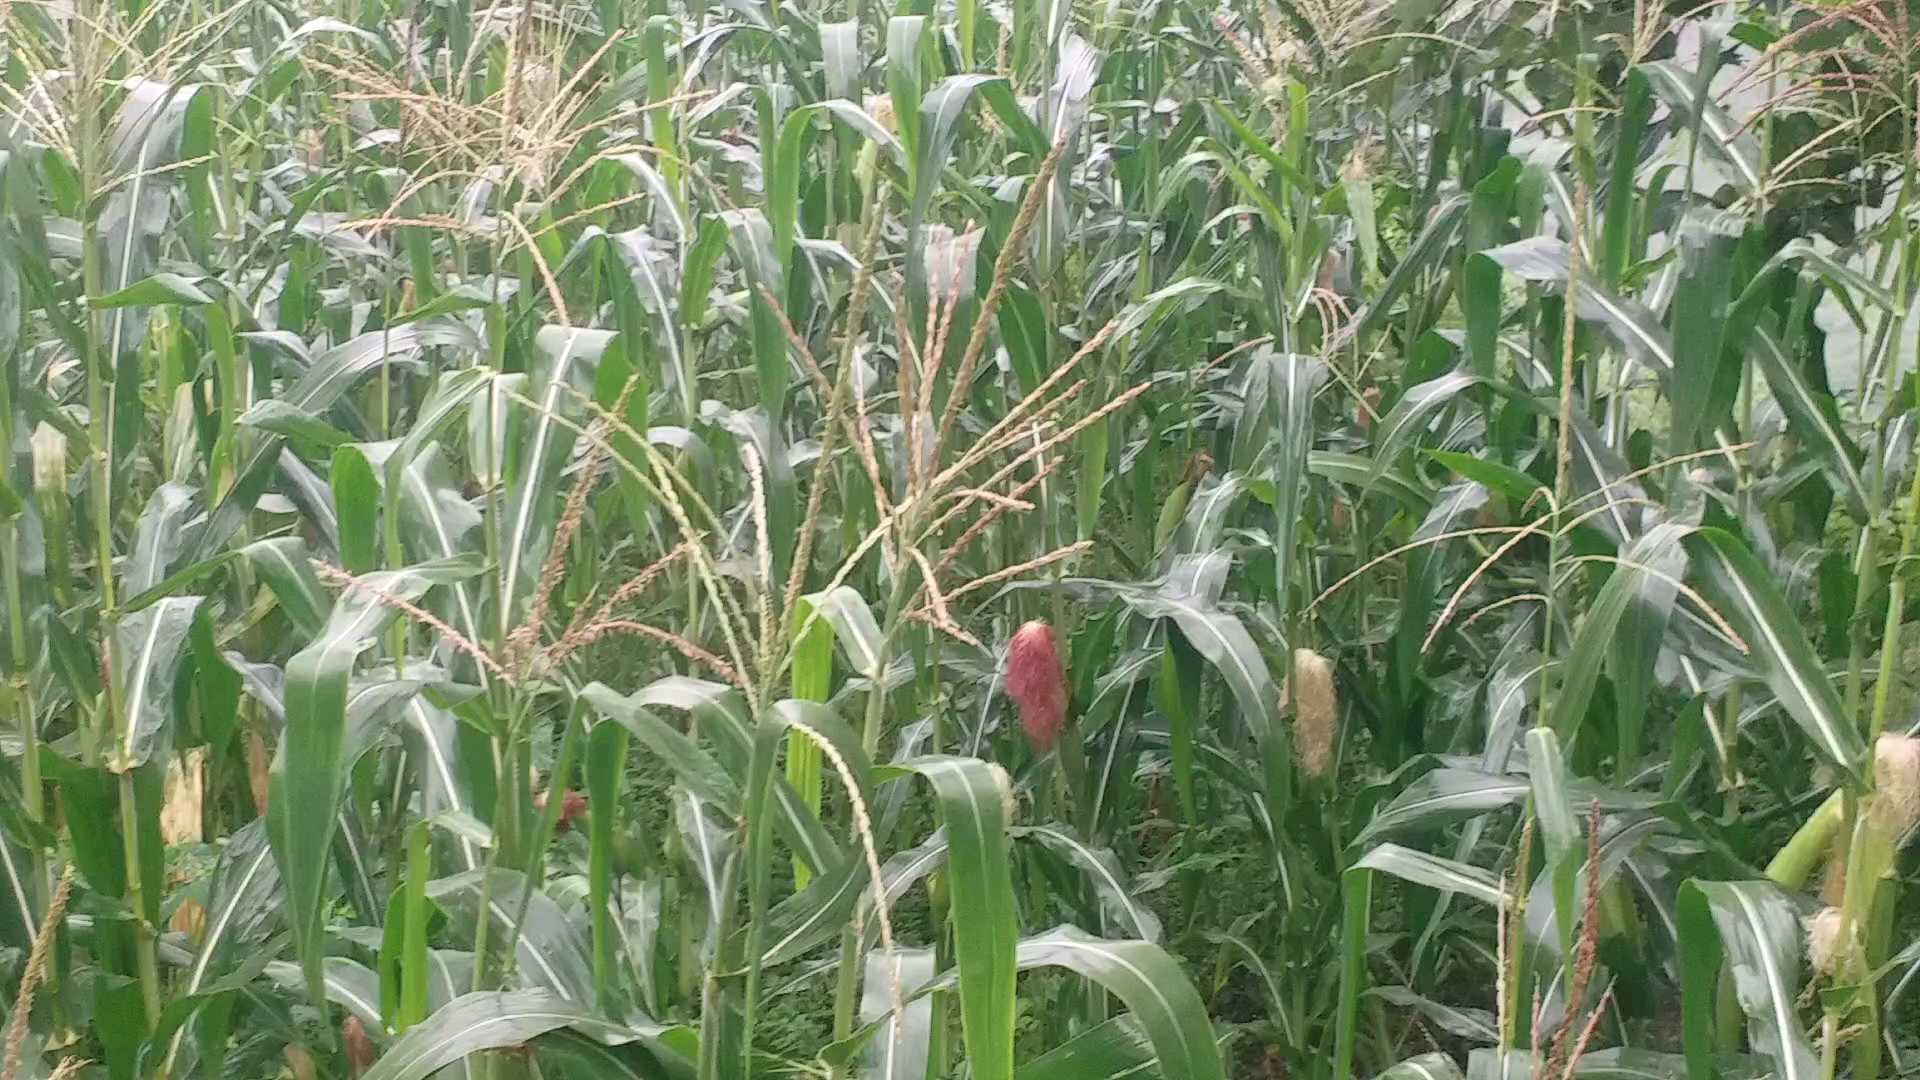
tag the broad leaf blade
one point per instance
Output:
(484, 1020)
(984, 927)
(1758, 928)
(1745, 594)
(148, 647)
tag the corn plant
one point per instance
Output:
(657, 539)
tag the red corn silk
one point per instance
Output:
(1037, 683)
(572, 805)
(358, 1047)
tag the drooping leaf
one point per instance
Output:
(245, 894)
(691, 765)
(307, 775)
(286, 419)
(1756, 927)
(1434, 871)
(1115, 1048)
(551, 949)
(1440, 798)
(721, 712)
(1732, 142)
(148, 647)
(1441, 232)
(1476, 1024)
(562, 384)
(1544, 259)
(346, 983)
(1777, 643)
(1814, 417)
(1247, 953)
(486, 1020)
(813, 915)
(854, 626)
(162, 288)
(1154, 988)
(159, 536)
(1102, 870)
(1411, 415)
(431, 738)
(1434, 1066)
(580, 1057)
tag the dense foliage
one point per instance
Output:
(656, 539)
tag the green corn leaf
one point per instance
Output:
(356, 502)
(246, 890)
(1757, 928)
(814, 915)
(1245, 952)
(346, 983)
(1118, 1047)
(606, 766)
(1813, 416)
(159, 536)
(1434, 1066)
(317, 685)
(1618, 232)
(899, 1051)
(1292, 384)
(1356, 895)
(982, 910)
(691, 765)
(1701, 385)
(148, 646)
(1744, 592)
(286, 565)
(1440, 234)
(286, 419)
(1559, 827)
(1150, 983)
(1475, 1024)
(581, 1057)
(1729, 140)
(551, 950)
(1433, 871)
(568, 357)
(1125, 911)
(1440, 798)
(854, 627)
(1411, 415)
(161, 288)
(432, 739)
(486, 1020)
(722, 714)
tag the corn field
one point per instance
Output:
(1025, 540)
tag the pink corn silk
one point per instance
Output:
(1037, 683)
(572, 805)
(359, 1048)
